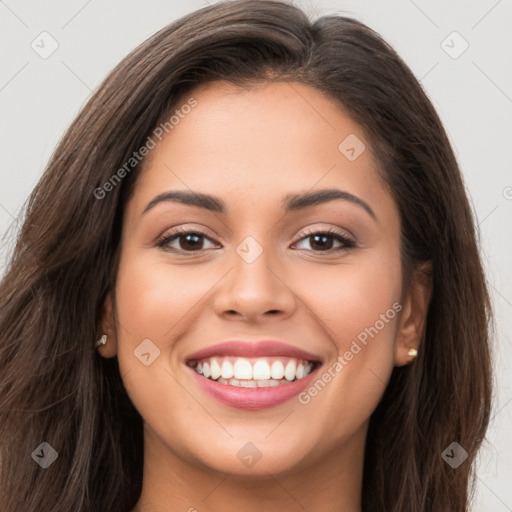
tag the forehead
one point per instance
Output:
(257, 142)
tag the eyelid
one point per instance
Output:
(330, 231)
(347, 240)
(182, 230)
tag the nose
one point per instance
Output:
(252, 291)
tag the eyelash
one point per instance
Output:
(348, 243)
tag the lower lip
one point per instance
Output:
(252, 398)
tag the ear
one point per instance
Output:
(107, 326)
(413, 317)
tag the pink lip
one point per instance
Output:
(253, 349)
(252, 398)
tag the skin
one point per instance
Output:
(251, 147)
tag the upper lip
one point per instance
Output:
(253, 349)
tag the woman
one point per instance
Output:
(248, 280)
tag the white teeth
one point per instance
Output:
(214, 368)
(261, 370)
(242, 369)
(277, 370)
(251, 373)
(227, 370)
(289, 371)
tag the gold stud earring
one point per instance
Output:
(412, 352)
(102, 341)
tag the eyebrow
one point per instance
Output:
(291, 202)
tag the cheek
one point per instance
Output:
(358, 306)
(154, 306)
(156, 302)
(352, 298)
(153, 299)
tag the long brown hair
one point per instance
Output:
(54, 386)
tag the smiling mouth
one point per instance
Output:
(259, 372)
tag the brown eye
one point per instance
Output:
(187, 241)
(190, 242)
(324, 241)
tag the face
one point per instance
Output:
(298, 303)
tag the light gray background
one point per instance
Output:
(473, 94)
